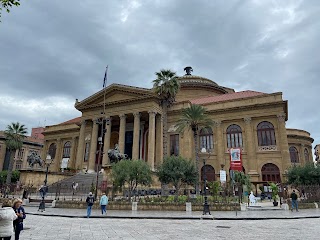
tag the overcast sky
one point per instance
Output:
(52, 52)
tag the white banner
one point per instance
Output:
(223, 176)
(64, 163)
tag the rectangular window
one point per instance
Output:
(86, 152)
(21, 154)
(174, 144)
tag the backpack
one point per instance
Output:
(90, 200)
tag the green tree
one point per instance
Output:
(14, 134)
(241, 179)
(7, 4)
(14, 178)
(166, 86)
(304, 175)
(177, 171)
(131, 173)
(194, 118)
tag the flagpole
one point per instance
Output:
(104, 88)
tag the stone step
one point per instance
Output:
(264, 208)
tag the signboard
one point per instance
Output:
(235, 159)
(223, 176)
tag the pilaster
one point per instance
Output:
(250, 148)
(284, 146)
(220, 142)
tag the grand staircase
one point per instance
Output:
(85, 182)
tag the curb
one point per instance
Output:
(178, 218)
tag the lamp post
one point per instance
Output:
(101, 122)
(205, 204)
(44, 188)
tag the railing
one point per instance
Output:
(267, 148)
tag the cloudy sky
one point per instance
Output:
(52, 52)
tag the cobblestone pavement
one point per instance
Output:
(180, 214)
(60, 228)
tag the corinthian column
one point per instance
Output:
(80, 150)
(122, 132)
(136, 135)
(106, 145)
(250, 147)
(151, 139)
(93, 146)
(159, 140)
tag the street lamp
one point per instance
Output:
(100, 121)
(44, 189)
(205, 204)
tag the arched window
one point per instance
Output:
(294, 156)
(234, 136)
(66, 149)
(306, 155)
(52, 150)
(270, 173)
(206, 138)
(266, 134)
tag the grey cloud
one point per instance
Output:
(47, 48)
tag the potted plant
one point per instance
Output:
(275, 191)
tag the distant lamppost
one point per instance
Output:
(44, 189)
(205, 204)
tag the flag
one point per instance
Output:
(105, 78)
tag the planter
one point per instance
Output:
(134, 206)
(188, 207)
(243, 207)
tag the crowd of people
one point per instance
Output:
(12, 215)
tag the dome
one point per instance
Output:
(191, 81)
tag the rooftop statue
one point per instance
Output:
(188, 70)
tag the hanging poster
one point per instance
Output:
(235, 159)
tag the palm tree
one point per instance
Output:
(14, 134)
(166, 86)
(194, 118)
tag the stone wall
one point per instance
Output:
(36, 178)
(151, 206)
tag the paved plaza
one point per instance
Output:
(59, 228)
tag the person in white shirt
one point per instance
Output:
(7, 216)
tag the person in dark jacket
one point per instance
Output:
(90, 201)
(18, 223)
(294, 201)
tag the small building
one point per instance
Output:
(33, 143)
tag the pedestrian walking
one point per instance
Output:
(103, 203)
(21, 215)
(7, 216)
(294, 201)
(90, 201)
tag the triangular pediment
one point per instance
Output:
(115, 94)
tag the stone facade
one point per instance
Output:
(252, 121)
(31, 143)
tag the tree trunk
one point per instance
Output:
(196, 149)
(10, 168)
(165, 129)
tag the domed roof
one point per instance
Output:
(192, 79)
(189, 80)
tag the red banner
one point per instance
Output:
(235, 159)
